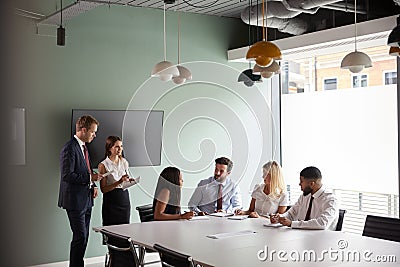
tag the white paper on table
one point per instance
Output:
(269, 224)
(238, 217)
(199, 218)
(232, 234)
(221, 214)
(126, 185)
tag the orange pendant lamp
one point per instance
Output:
(264, 52)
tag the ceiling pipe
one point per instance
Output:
(282, 14)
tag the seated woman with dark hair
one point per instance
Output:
(167, 198)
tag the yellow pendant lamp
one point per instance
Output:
(264, 52)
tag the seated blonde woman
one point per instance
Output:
(269, 197)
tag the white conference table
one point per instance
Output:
(190, 237)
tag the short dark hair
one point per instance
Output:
(225, 161)
(311, 173)
(85, 122)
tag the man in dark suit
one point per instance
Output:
(77, 188)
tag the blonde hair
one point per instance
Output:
(277, 185)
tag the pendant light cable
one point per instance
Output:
(165, 42)
(355, 25)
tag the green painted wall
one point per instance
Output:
(109, 54)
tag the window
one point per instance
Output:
(330, 83)
(354, 121)
(359, 80)
(390, 77)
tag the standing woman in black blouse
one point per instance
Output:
(167, 198)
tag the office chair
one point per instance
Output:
(340, 221)
(382, 227)
(145, 215)
(121, 252)
(170, 258)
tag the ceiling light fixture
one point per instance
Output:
(165, 70)
(247, 76)
(394, 51)
(184, 73)
(267, 72)
(394, 36)
(356, 61)
(61, 31)
(264, 52)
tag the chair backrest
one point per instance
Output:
(145, 213)
(121, 250)
(340, 220)
(170, 258)
(382, 227)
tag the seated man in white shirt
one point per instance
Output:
(321, 213)
(217, 193)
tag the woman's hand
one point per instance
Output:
(124, 178)
(187, 215)
(239, 212)
(254, 214)
(274, 218)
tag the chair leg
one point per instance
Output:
(142, 252)
(107, 260)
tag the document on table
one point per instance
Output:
(126, 185)
(232, 234)
(238, 217)
(199, 218)
(269, 224)
(221, 214)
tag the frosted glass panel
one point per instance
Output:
(351, 135)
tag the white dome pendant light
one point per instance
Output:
(165, 70)
(184, 73)
(356, 61)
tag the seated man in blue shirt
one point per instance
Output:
(217, 193)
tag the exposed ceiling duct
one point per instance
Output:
(281, 14)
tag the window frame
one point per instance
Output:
(384, 78)
(358, 75)
(329, 78)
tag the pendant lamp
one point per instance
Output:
(61, 31)
(264, 52)
(356, 61)
(165, 70)
(394, 51)
(184, 73)
(394, 36)
(267, 72)
(247, 76)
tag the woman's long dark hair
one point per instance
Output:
(169, 179)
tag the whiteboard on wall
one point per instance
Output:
(140, 130)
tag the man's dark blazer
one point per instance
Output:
(75, 192)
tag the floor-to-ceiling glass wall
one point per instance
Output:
(345, 124)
